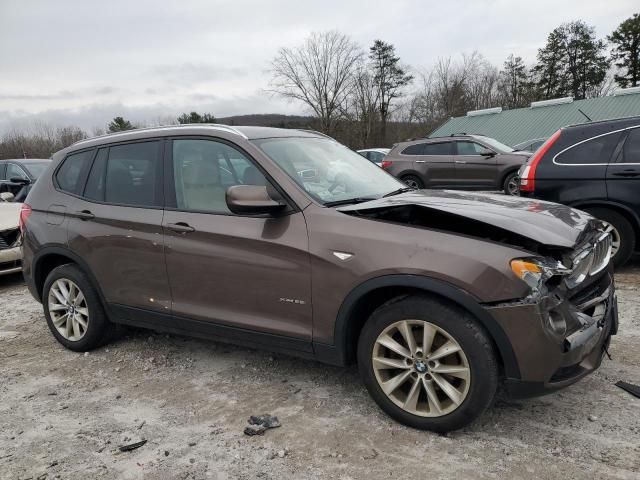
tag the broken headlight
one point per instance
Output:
(536, 271)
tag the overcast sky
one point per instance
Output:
(83, 62)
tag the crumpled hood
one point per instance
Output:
(548, 223)
(9, 215)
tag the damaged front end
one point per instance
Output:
(571, 311)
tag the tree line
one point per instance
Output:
(370, 98)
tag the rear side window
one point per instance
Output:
(127, 175)
(416, 149)
(589, 152)
(68, 175)
(437, 148)
(632, 147)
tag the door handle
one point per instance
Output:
(85, 215)
(461, 161)
(421, 161)
(626, 174)
(180, 227)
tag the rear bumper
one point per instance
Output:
(10, 260)
(549, 362)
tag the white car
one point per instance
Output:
(376, 155)
(10, 238)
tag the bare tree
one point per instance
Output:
(363, 106)
(318, 73)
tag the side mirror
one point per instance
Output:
(20, 180)
(252, 200)
(6, 197)
(485, 152)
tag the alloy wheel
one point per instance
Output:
(68, 309)
(513, 186)
(421, 368)
(410, 182)
(615, 238)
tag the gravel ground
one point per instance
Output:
(63, 414)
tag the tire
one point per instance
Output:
(507, 187)
(413, 181)
(474, 394)
(623, 233)
(93, 329)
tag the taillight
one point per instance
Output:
(386, 163)
(528, 177)
(25, 211)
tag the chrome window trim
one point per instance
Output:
(587, 140)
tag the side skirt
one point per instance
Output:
(162, 322)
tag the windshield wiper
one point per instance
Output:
(349, 201)
(398, 191)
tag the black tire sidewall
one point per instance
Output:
(473, 340)
(98, 326)
(625, 231)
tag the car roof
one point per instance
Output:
(381, 150)
(245, 132)
(622, 122)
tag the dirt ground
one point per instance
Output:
(63, 414)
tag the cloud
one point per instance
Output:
(85, 62)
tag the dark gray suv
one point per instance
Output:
(286, 239)
(467, 162)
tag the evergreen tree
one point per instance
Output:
(626, 51)
(571, 63)
(119, 124)
(389, 78)
(195, 117)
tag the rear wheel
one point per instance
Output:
(511, 184)
(413, 181)
(427, 364)
(73, 309)
(623, 236)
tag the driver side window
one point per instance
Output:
(469, 148)
(204, 169)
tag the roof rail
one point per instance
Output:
(316, 132)
(217, 126)
(458, 134)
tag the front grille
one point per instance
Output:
(601, 253)
(9, 238)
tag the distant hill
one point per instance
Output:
(269, 120)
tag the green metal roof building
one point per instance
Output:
(543, 118)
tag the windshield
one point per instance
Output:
(36, 169)
(327, 170)
(495, 144)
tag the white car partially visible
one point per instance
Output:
(10, 238)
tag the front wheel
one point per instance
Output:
(413, 181)
(427, 364)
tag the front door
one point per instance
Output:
(243, 272)
(474, 170)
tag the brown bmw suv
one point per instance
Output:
(287, 240)
(469, 162)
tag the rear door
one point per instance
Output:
(230, 270)
(434, 163)
(474, 170)
(623, 175)
(116, 227)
